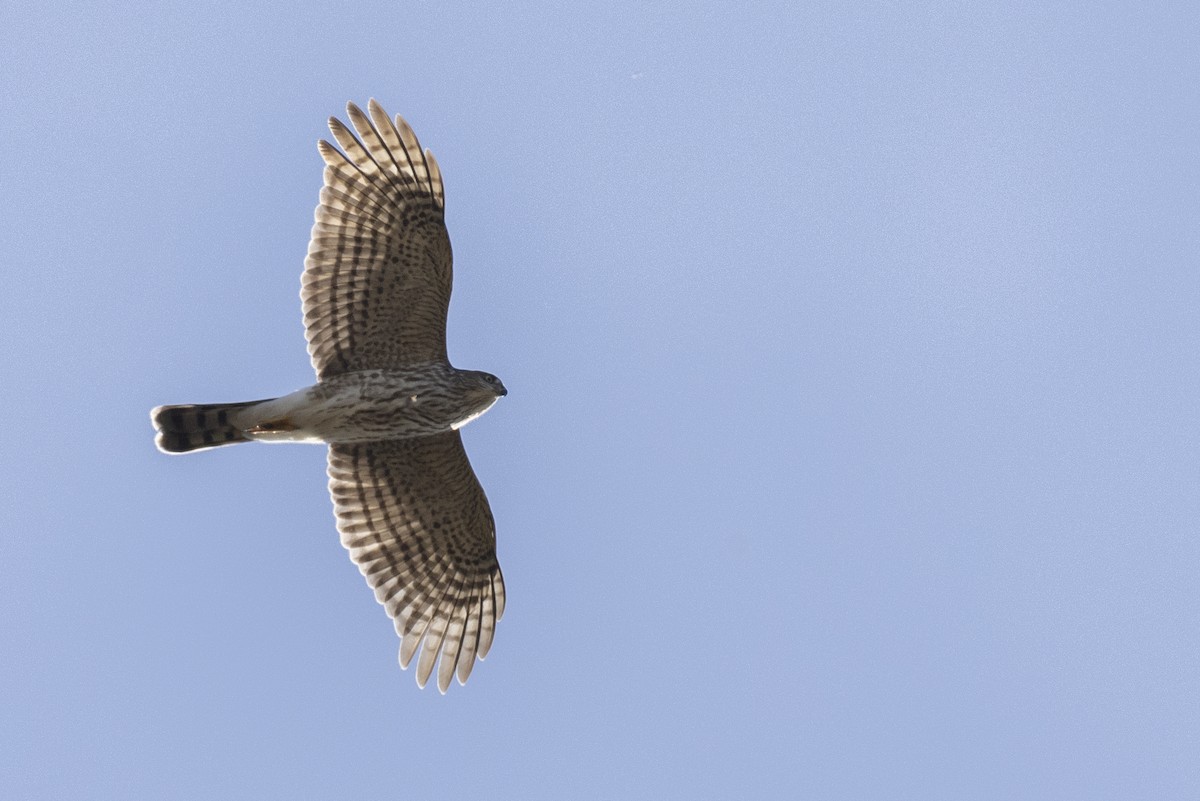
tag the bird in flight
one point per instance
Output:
(375, 291)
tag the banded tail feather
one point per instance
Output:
(196, 426)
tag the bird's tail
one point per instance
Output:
(193, 427)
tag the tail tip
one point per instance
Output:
(173, 443)
(194, 427)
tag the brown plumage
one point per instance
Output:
(375, 293)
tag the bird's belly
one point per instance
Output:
(360, 411)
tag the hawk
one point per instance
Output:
(375, 291)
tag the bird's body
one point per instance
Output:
(361, 406)
(375, 291)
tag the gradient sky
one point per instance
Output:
(851, 449)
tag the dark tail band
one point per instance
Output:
(193, 427)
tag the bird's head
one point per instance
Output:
(481, 390)
(488, 383)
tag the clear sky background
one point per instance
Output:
(851, 448)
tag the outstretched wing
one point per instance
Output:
(417, 524)
(377, 278)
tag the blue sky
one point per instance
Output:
(851, 448)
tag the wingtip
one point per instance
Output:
(423, 675)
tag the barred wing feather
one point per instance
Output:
(378, 274)
(417, 523)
